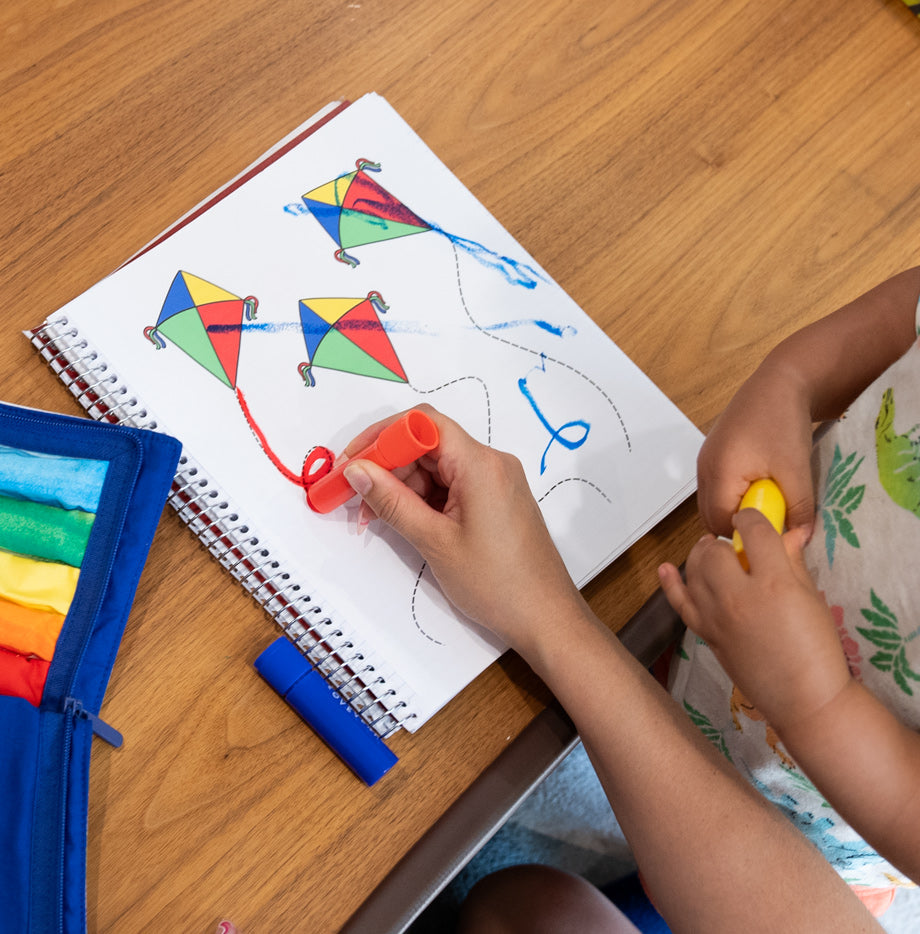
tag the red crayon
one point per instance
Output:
(397, 445)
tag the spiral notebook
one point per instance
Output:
(347, 276)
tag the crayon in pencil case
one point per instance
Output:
(40, 530)
(292, 675)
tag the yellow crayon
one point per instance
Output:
(764, 496)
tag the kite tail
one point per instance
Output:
(367, 165)
(153, 336)
(263, 442)
(306, 374)
(344, 257)
(376, 299)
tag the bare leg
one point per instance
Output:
(539, 900)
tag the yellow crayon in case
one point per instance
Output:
(764, 496)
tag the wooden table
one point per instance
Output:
(702, 176)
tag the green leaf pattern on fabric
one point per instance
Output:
(704, 725)
(884, 634)
(840, 501)
(800, 781)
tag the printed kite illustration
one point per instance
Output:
(346, 334)
(206, 322)
(355, 210)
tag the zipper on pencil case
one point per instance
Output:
(73, 711)
(100, 728)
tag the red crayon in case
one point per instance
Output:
(397, 445)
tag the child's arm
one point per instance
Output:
(774, 635)
(813, 375)
(715, 855)
(866, 762)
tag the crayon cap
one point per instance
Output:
(409, 438)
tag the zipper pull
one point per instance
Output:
(100, 728)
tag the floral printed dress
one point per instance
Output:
(864, 557)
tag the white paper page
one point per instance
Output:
(481, 333)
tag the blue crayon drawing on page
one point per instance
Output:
(350, 335)
(471, 315)
(355, 210)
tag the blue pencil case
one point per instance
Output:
(79, 504)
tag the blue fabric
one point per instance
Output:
(629, 896)
(45, 752)
(19, 733)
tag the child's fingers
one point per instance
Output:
(677, 595)
(770, 554)
(718, 501)
(794, 542)
(762, 543)
(800, 498)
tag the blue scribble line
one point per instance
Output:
(522, 274)
(279, 327)
(555, 434)
(514, 271)
(544, 357)
(565, 331)
(390, 326)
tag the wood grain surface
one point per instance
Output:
(702, 176)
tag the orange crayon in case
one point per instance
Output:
(398, 445)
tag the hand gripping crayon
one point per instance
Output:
(764, 496)
(397, 445)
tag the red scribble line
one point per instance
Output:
(263, 442)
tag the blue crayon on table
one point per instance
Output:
(298, 681)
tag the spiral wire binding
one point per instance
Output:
(200, 505)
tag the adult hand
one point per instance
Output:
(468, 510)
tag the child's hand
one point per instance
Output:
(766, 431)
(468, 510)
(770, 629)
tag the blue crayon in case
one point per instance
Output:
(292, 675)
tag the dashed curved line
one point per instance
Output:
(418, 625)
(418, 579)
(584, 480)
(460, 379)
(537, 353)
(485, 388)
(425, 392)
